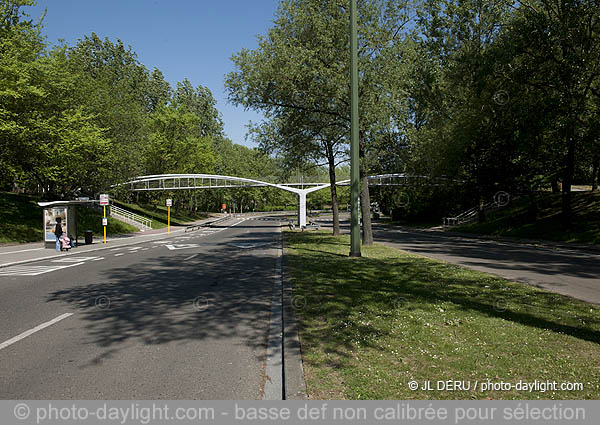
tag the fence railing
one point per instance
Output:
(136, 220)
(472, 215)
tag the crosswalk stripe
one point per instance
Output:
(33, 270)
(73, 259)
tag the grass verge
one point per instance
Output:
(369, 326)
(21, 220)
(514, 221)
(89, 219)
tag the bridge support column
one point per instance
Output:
(301, 209)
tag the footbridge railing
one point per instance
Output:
(301, 188)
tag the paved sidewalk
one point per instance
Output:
(25, 253)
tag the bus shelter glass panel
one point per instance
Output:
(50, 216)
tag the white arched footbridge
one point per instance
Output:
(212, 181)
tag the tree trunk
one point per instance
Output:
(334, 201)
(365, 199)
(481, 211)
(595, 172)
(365, 208)
(567, 212)
(533, 209)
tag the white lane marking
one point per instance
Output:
(190, 257)
(73, 259)
(241, 221)
(34, 330)
(182, 246)
(144, 249)
(33, 270)
(118, 255)
(98, 259)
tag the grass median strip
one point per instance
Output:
(370, 326)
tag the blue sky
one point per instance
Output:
(191, 39)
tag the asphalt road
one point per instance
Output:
(183, 318)
(566, 271)
(571, 272)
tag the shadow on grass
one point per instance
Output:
(338, 289)
(495, 255)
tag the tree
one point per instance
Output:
(113, 86)
(20, 46)
(200, 102)
(176, 143)
(158, 91)
(47, 138)
(299, 73)
(558, 55)
(297, 142)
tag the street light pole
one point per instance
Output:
(354, 152)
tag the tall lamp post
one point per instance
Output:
(354, 152)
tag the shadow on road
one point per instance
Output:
(224, 293)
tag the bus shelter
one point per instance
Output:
(67, 211)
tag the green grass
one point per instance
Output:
(20, 219)
(89, 219)
(158, 214)
(371, 325)
(514, 220)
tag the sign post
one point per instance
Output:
(169, 203)
(104, 203)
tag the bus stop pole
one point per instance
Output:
(104, 207)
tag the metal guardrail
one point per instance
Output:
(472, 215)
(138, 221)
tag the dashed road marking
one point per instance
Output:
(34, 330)
(182, 246)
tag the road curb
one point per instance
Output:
(274, 388)
(295, 385)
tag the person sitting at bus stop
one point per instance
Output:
(58, 232)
